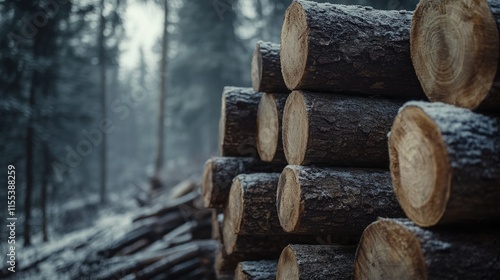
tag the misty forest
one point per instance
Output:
(109, 110)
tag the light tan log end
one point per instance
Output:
(256, 68)
(207, 183)
(420, 168)
(268, 129)
(295, 128)
(287, 265)
(233, 214)
(288, 199)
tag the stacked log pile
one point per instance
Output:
(348, 73)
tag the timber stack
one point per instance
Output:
(334, 165)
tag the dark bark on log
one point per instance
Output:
(269, 127)
(266, 68)
(238, 122)
(256, 270)
(337, 201)
(445, 164)
(458, 65)
(219, 174)
(316, 262)
(337, 130)
(331, 48)
(398, 249)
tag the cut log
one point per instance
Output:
(216, 220)
(331, 48)
(337, 130)
(251, 207)
(336, 201)
(316, 262)
(256, 270)
(398, 249)
(238, 122)
(266, 68)
(219, 173)
(269, 120)
(445, 164)
(455, 51)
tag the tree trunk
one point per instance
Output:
(156, 180)
(455, 51)
(266, 68)
(269, 123)
(331, 48)
(219, 173)
(445, 164)
(398, 249)
(316, 262)
(29, 149)
(103, 93)
(256, 270)
(238, 122)
(338, 130)
(336, 201)
(43, 193)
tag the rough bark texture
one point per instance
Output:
(398, 249)
(256, 270)
(269, 127)
(471, 144)
(351, 48)
(238, 122)
(316, 262)
(455, 51)
(336, 201)
(266, 68)
(342, 130)
(251, 208)
(219, 174)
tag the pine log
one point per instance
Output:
(238, 122)
(398, 249)
(445, 164)
(331, 48)
(266, 68)
(338, 130)
(256, 270)
(337, 201)
(316, 262)
(219, 173)
(455, 51)
(269, 123)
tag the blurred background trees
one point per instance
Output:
(80, 96)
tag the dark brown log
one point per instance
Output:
(316, 262)
(445, 164)
(219, 173)
(337, 201)
(455, 51)
(256, 270)
(238, 122)
(336, 129)
(269, 123)
(398, 249)
(331, 48)
(266, 68)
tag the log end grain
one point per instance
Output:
(420, 168)
(387, 250)
(295, 128)
(454, 49)
(233, 214)
(288, 200)
(222, 125)
(207, 184)
(268, 127)
(256, 71)
(287, 265)
(294, 45)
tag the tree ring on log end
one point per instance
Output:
(294, 45)
(222, 124)
(267, 127)
(288, 199)
(295, 128)
(256, 68)
(420, 168)
(287, 265)
(387, 250)
(233, 215)
(207, 186)
(454, 49)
